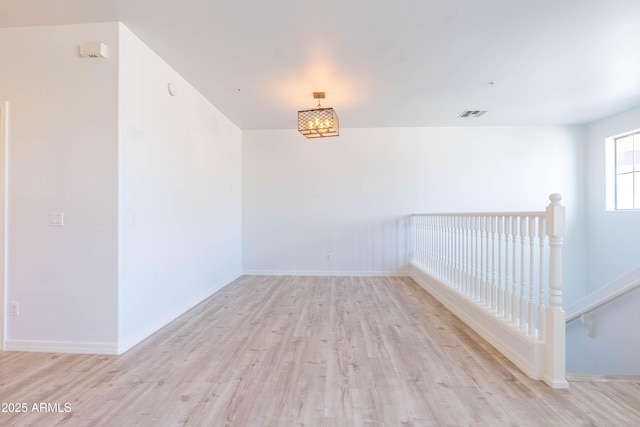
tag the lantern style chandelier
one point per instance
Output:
(319, 122)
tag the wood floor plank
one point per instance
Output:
(308, 351)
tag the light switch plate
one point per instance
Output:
(56, 219)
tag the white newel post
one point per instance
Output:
(554, 370)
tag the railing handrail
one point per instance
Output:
(604, 295)
(516, 214)
(496, 261)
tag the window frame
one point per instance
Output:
(611, 170)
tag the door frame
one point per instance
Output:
(4, 150)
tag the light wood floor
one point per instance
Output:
(293, 351)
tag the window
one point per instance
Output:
(626, 159)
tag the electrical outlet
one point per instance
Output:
(15, 308)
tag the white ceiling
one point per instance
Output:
(385, 63)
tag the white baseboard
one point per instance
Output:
(132, 340)
(523, 351)
(61, 347)
(394, 273)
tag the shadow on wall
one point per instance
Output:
(374, 246)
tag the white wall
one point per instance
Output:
(62, 157)
(350, 196)
(613, 245)
(613, 237)
(180, 163)
(101, 140)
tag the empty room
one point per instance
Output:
(294, 213)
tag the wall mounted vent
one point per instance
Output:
(93, 50)
(472, 113)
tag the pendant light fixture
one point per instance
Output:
(319, 122)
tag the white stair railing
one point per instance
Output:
(497, 261)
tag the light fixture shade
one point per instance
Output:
(318, 123)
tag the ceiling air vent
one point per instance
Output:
(472, 113)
